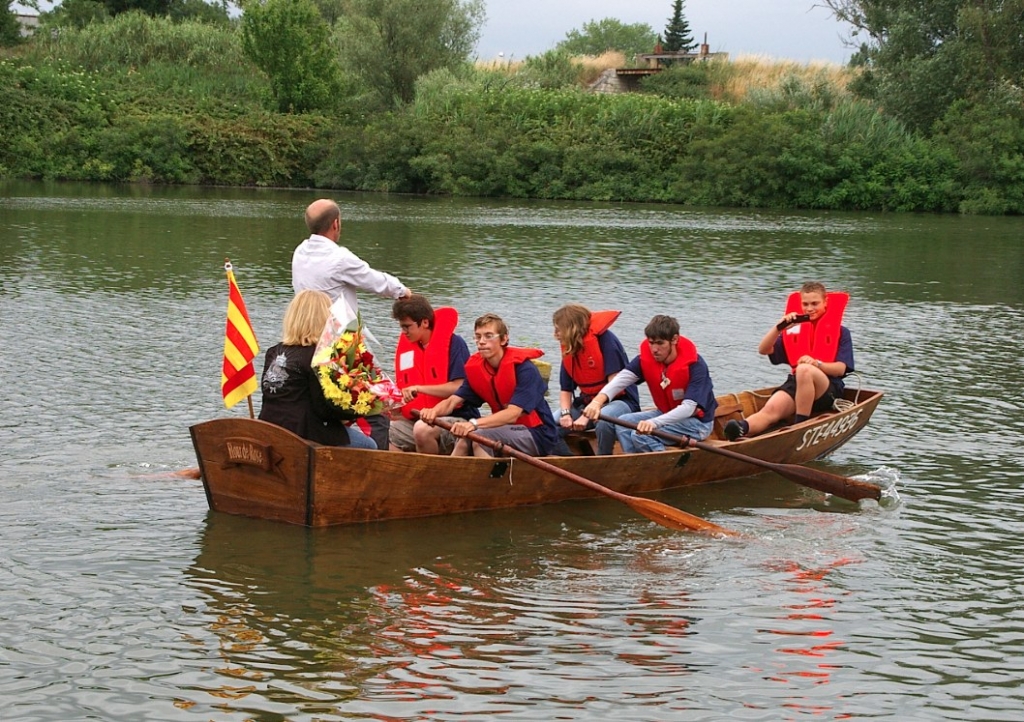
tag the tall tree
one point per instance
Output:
(599, 36)
(921, 57)
(10, 28)
(153, 8)
(677, 33)
(290, 42)
(390, 43)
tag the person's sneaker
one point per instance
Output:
(734, 429)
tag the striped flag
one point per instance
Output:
(238, 377)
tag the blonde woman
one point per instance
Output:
(292, 395)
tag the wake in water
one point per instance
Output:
(887, 479)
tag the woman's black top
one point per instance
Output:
(294, 399)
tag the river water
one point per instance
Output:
(123, 598)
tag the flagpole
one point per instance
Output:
(252, 415)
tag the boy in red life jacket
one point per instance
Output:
(430, 365)
(503, 377)
(680, 385)
(810, 338)
(591, 357)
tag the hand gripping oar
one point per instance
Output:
(834, 484)
(657, 512)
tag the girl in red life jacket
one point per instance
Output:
(591, 357)
(811, 339)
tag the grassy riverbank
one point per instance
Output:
(145, 100)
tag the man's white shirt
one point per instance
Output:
(322, 265)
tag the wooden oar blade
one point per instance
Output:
(192, 473)
(672, 518)
(840, 486)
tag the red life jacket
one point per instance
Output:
(418, 366)
(677, 373)
(496, 385)
(586, 366)
(819, 339)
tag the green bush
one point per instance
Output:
(290, 42)
(692, 80)
(986, 136)
(134, 40)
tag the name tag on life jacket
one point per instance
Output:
(405, 361)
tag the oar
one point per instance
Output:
(834, 484)
(190, 473)
(657, 512)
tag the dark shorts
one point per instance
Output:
(514, 435)
(821, 404)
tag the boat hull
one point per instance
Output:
(256, 469)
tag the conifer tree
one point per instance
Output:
(10, 28)
(677, 32)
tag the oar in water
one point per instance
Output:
(834, 484)
(657, 512)
(190, 473)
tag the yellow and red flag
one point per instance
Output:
(238, 377)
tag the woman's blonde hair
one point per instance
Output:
(572, 321)
(305, 318)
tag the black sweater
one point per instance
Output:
(294, 399)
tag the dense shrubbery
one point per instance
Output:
(137, 98)
(146, 99)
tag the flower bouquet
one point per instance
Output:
(348, 373)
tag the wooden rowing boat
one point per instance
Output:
(256, 469)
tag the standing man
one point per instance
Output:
(430, 366)
(680, 385)
(503, 377)
(322, 264)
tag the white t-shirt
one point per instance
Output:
(322, 265)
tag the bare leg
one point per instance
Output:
(811, 383)
(426, 437)
(461, 448)
(780, 406)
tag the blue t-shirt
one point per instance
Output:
(615, 360)
(529, 396)
(458, 355)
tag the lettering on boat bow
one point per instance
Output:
(250, 453)
(839, 426)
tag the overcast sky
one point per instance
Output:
(795, 29)
(799, 30)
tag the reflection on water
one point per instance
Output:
(122, 597)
